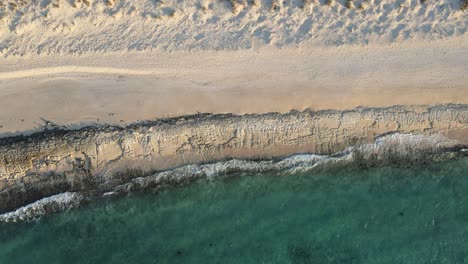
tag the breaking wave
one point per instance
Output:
(390, 150)
(45, 206)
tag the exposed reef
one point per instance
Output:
(109, 159)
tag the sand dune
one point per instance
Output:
(77, 27)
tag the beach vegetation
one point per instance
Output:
(464, 5)
(305, 3)
(233, 5)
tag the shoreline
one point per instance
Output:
(357, 157)
(101, 158)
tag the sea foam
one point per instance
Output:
(45, 206)
(387, 150)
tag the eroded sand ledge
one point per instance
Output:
(101, 158)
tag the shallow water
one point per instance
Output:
(379, 215)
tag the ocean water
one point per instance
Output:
(379, 215)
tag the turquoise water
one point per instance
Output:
(379, 215)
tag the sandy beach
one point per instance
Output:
(233, 131)
(97, 94)
(117, 62)
(124, 88)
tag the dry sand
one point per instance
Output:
(131, 86)
(75, 62)
(73, 27)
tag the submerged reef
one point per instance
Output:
(94, 161)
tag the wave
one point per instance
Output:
(394, 149)
(45, 206)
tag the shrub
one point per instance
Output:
(464, 5)
(274, 6)
(233, 4)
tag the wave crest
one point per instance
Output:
(45, 206)
(395, 150)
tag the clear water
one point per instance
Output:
(381, 215)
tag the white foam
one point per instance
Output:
(405, 145)
(48, 205)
